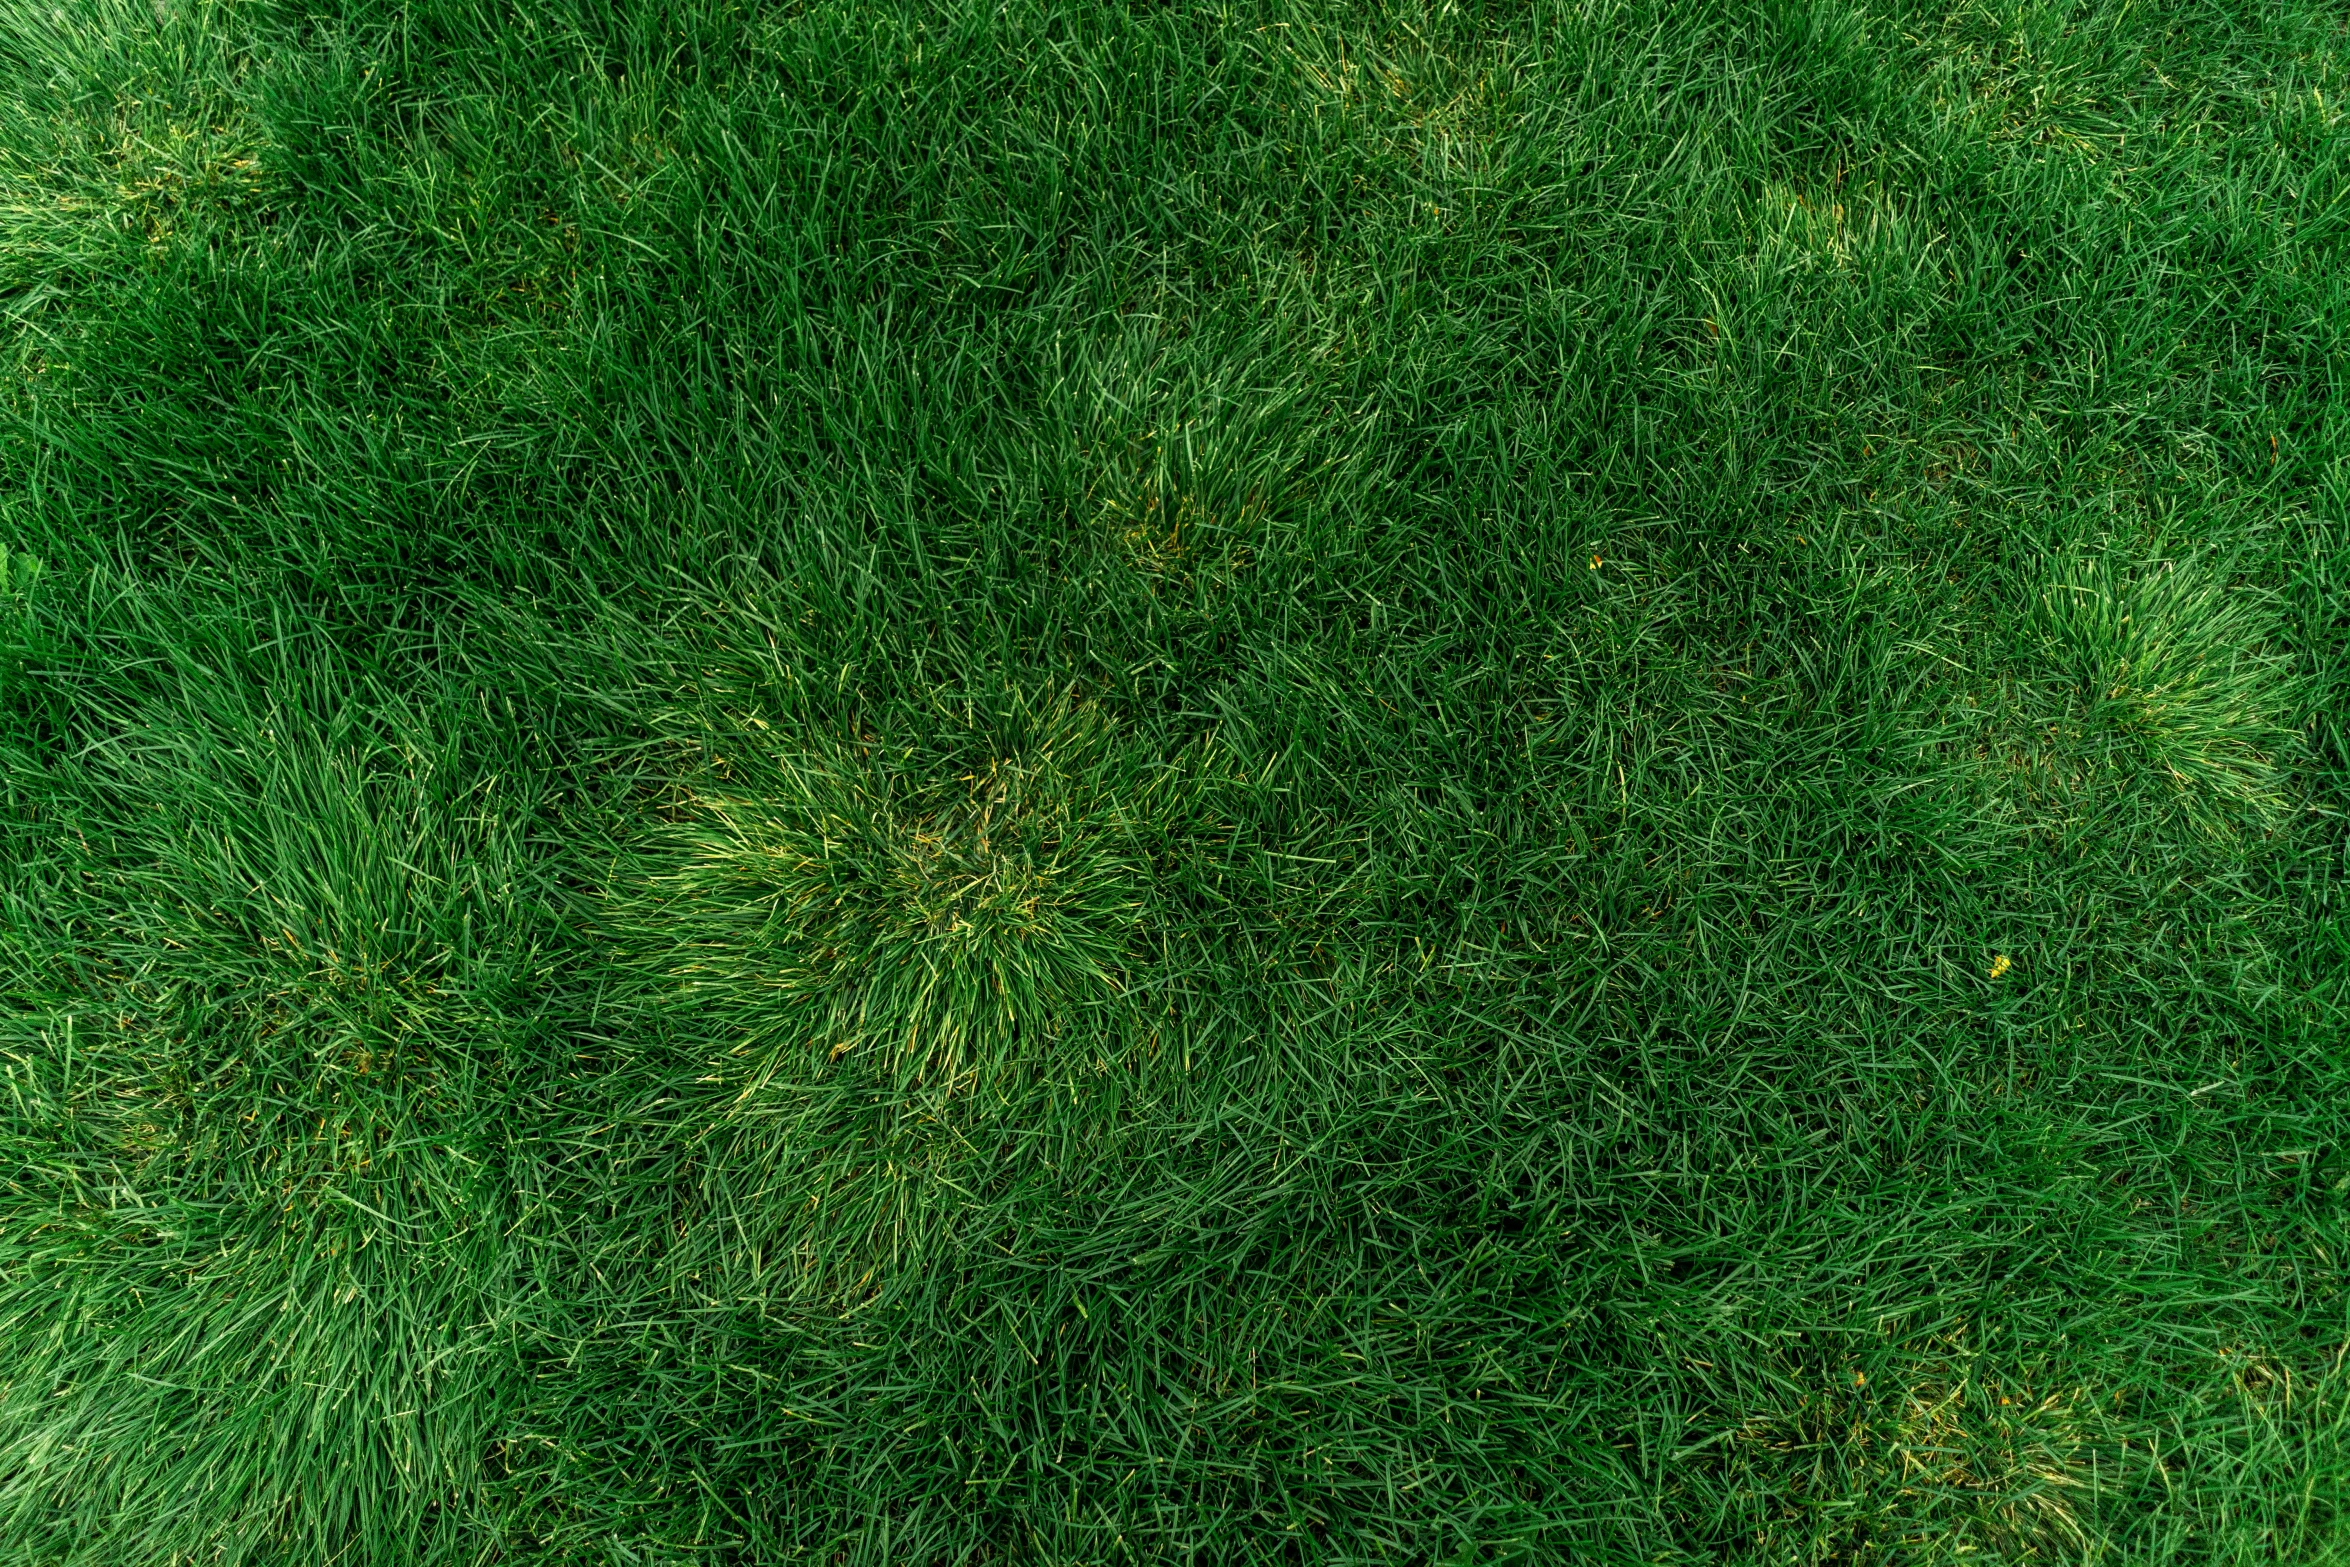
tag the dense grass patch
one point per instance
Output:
(1073, 782)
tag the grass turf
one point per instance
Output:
(1059, 781)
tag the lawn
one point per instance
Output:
(1086, 781)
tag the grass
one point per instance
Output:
(1066, 782)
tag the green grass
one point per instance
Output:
(1068, 781)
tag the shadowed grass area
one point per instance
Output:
(1080, 782)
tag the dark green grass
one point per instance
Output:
(1097, 782)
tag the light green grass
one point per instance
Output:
(1086, 782)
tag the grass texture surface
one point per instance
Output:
(1058, 781)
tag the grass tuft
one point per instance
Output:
(2175, 678)
(954, 909)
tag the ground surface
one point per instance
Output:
(1072, 782)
